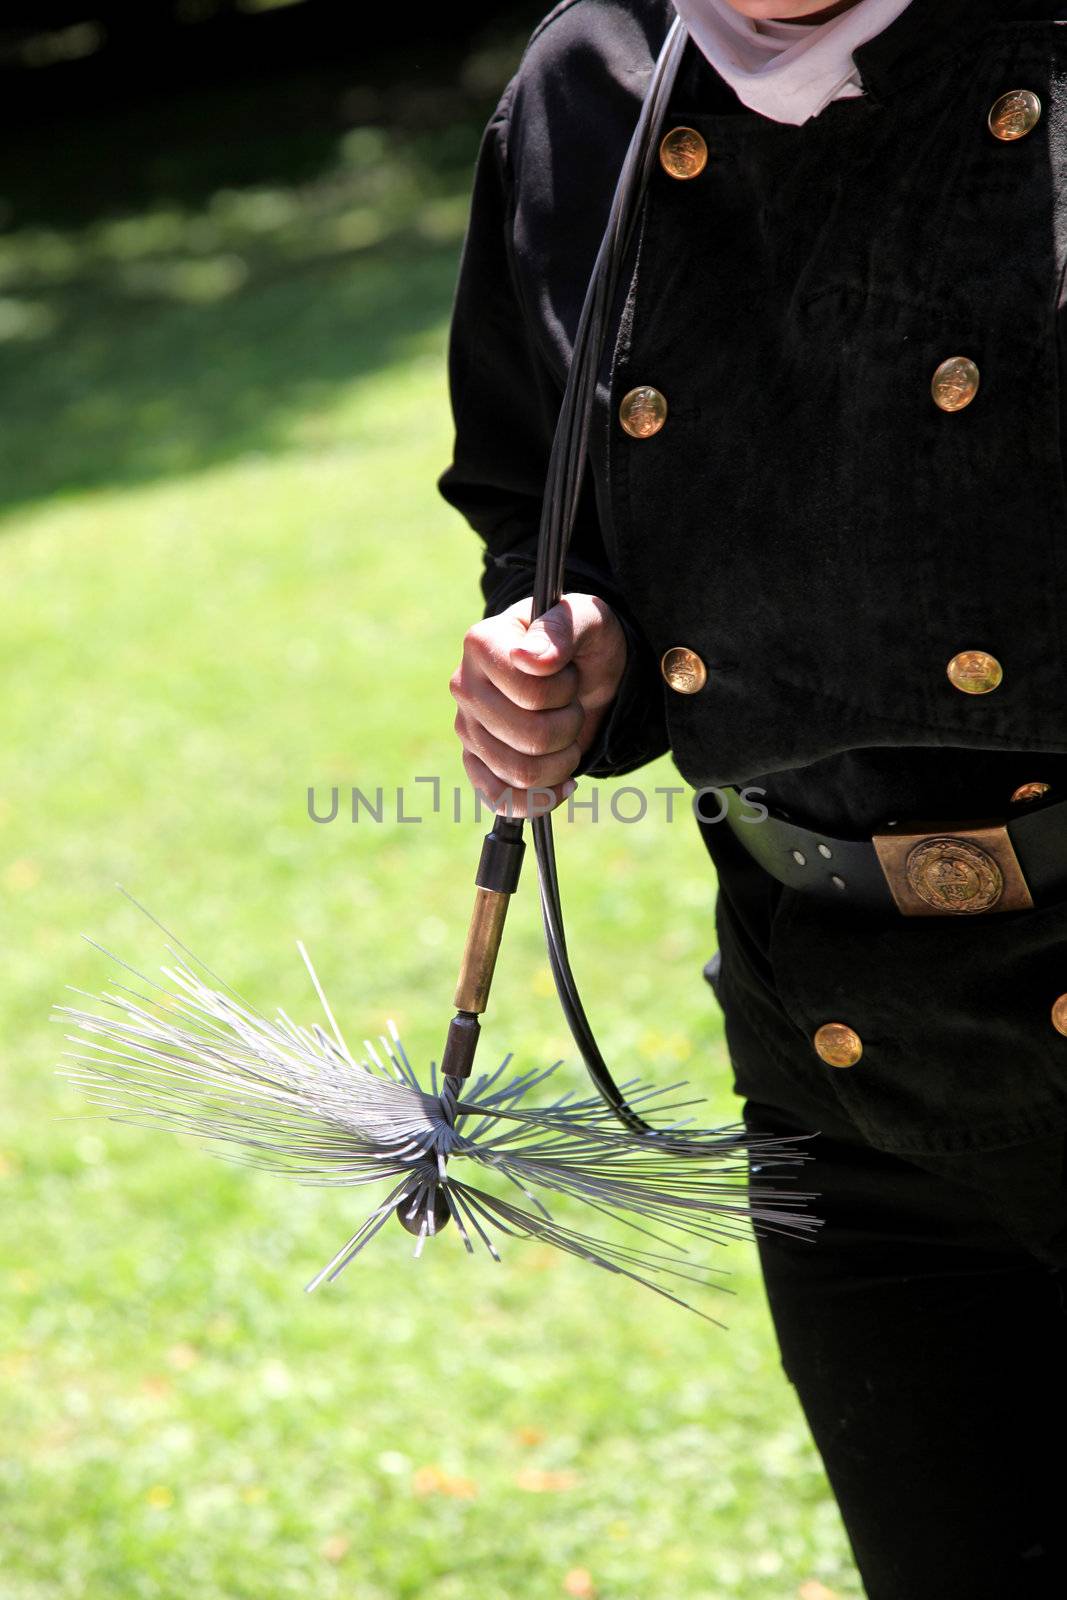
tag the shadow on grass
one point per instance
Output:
(186, 284)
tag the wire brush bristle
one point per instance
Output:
(196, 1059)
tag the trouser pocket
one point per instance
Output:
(952, 1017)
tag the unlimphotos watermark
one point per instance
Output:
(627, 804)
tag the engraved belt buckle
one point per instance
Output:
(951, 871)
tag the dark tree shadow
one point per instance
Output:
(180, 279)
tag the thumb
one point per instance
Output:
(548, 643)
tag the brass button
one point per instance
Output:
(1029, 791)
(643, 412)
(838, 1044)
(974, 672)
(955, 383)
(684, 670)
(1014, 114)
(1059, 1014)
(683, 153)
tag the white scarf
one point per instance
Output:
(787, 71)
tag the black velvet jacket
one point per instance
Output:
(807, 520)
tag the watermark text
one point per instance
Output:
(628, 804)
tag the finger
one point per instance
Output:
(507, 801)
(488, 647)
(521, 770)
(535, 693)
(482, 664)
(534, 733)
(557, 637)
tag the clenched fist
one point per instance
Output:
(531, 697)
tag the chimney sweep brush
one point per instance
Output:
(191, 1056)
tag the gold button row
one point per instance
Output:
(970, 671)
(683, 152)
(841, 1046)
(643, 411)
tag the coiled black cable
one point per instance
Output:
(562, 490)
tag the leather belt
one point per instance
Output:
(916, 869)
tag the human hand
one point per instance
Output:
(530, 698)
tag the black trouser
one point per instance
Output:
(925, 1326)
(926, 1336)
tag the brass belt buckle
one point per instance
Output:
(939, 871)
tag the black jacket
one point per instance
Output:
(807, 520)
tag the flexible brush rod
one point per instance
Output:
(498, 870)
(560, 507)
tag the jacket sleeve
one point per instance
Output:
(505, 400)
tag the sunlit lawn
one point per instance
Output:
(226, 576)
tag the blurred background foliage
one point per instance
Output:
(228, 247)
(203, 224)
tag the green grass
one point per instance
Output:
(226, 575)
